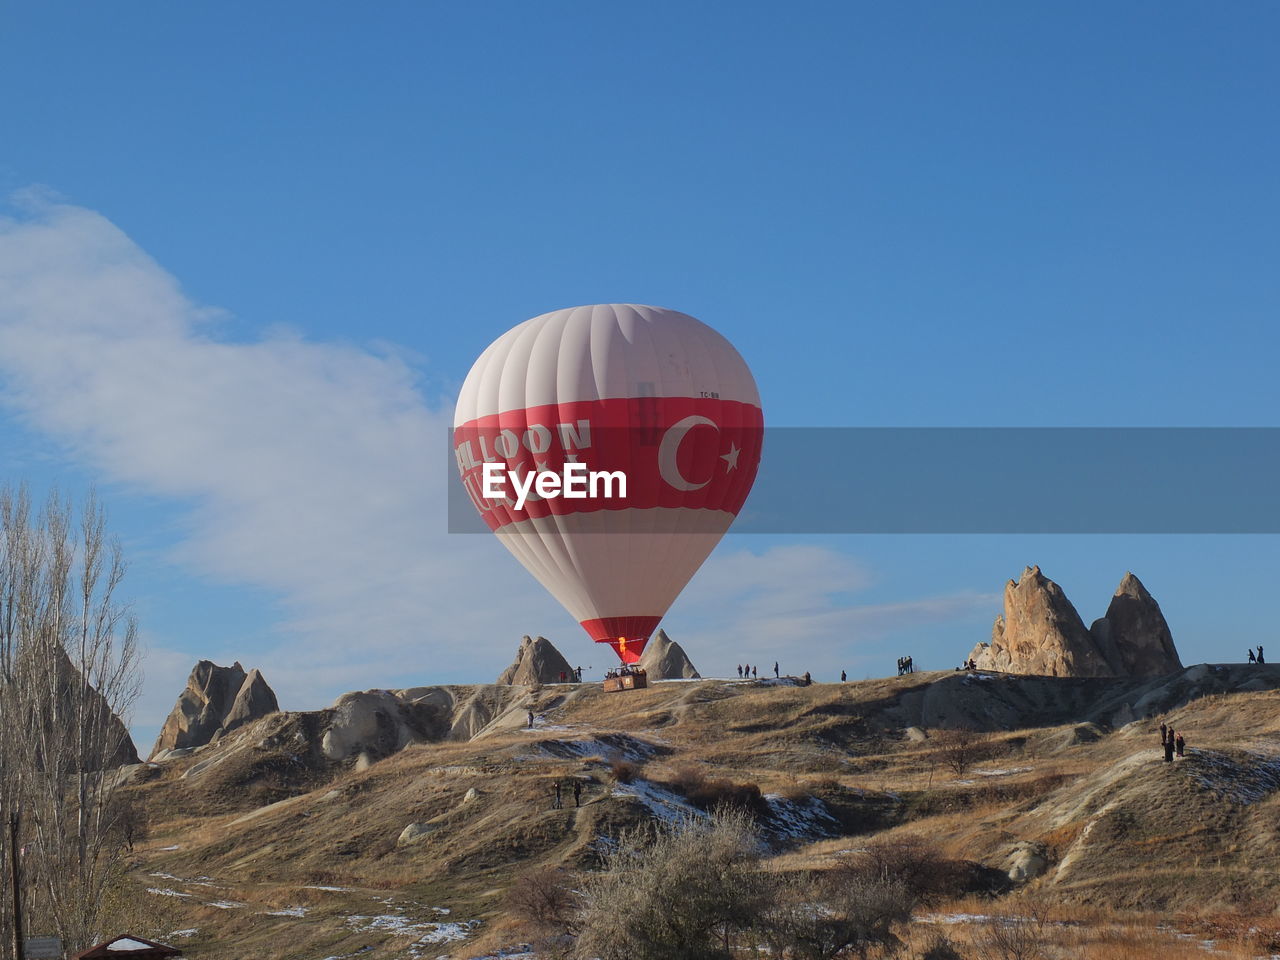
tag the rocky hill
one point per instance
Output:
(537, 661)
(215, 701)
(664, 659)
(1041, 633)
(391, 824)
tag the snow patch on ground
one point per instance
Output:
(804, 819)
(424, 932)
(225, 904)
(605, 745)
(165, 892)
(1002, 772)
(183, 934)
(667, 805)
(287, 912)
(1243, 778)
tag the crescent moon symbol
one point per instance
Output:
(670, 446)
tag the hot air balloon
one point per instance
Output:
(650, 393)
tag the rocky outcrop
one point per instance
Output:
(1134, 634)
(537, 661)
(216, 701)
(664, 659)
(376, 723)
(115, 747)
(1041, 633)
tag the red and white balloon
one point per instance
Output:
(651, 392)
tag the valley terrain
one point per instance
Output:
(395, 823)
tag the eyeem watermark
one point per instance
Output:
(575, 482)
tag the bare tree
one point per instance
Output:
(960, 749)
(546, 903)
(838, 913)
(69, 670)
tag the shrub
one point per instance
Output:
(624, 770)
(960, 749)
(544, 902)
(918, 865)
(690, 890)
(940, 947)
(821, 916)
(710, 794)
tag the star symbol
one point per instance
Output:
(731, 458)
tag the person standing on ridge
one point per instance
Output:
(843, 677)
(740, 665)
(530, 719)
(1164, 733)
(1179, 745)
(1252, 658)
(555, 801)
(1168, 747)
(756, 676)
(1260, 657)
(775, 669)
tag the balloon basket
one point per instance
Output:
(625, 681)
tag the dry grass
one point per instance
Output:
(1150, 839)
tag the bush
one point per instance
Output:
(961, 749)
(545, 903)
(940, 947)
(821, 916)
(709, 794)
(918, 865)
(690, 890)
(624, 770)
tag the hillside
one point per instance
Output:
(264, 844)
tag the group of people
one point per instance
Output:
(748, 672)
(1171, 742)
(576, 673)
(557, 802)
(1257, 658)
(626, 670)
(905, 666)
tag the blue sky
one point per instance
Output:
(251, 251)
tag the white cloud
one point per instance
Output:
(315, 471)
(789, 603)
(312, 470)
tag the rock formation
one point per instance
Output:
(116, 741)
(664, 659)
(537, 661)
(1041, 633)
(216, 701)
(1134, 634)
(376, 723)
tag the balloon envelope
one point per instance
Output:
(649, 392)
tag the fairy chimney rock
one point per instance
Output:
(1041, 633)
(216, 700)
(664, 659)
(1134, 633)
(537, 661)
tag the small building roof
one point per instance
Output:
(126, 946)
